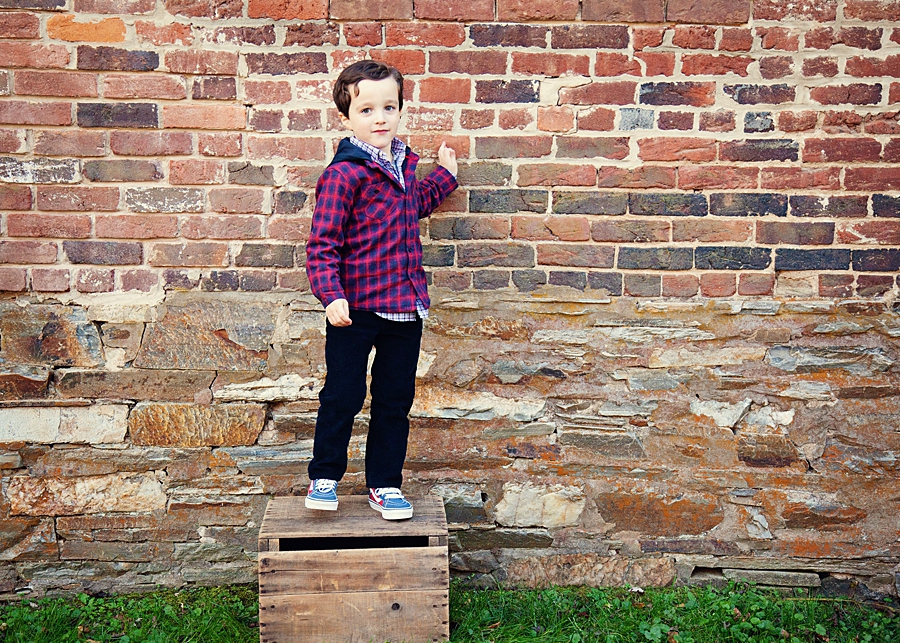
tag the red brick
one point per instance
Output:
(644, 177)
(73, 198)
(12, 141)
(288, 9)
(222, 227)
(842, 122)
(892, 151)
(142, 280)
(363, 34)
(872, 178)
(599, 119)
(876, 10)
(436, 89)
(476, 118)
(894, 96)
(193, 172)
(772, 67)
(817, 10)
(20, 24)
(854, 94)
(69, 226)
(552, 65)
(224, 144)
(70, 143)
(144, 86)
(822, 66)
(124, 7)
(20, 112)
(835, 285)
(194, 61)
(709, 64)
(860, 37)
(65, 27)
(225, 117)
(28, 252)
(467, 62)
(95, 280)
(701, 177)
(819, 38)
(49, 280)
(677, 149)
(424, 34)
(736, 39)
(675, 121)
(267, 92)
(565, 228)
(304, 120)
(613, 65)
(536, 10)
(287, 147)
(425, 118)
(694, 37)
(288, 228)
(716, 12)
(237, 200)
(304, 35)
(136, 226)
(829, 150)
(21, 54)
(456, 10)
(188, 254)
(512, 119)
(867, 67)
(555, 119)
(657, 63)
(552, 174)
(12, 279)
(644, 37)
(680, 285)
(371, 10)
(882, 123)
(691, 229)
(718, 284)
(576, 255)
(718, 121)
(750, 283)
(879, 232)
(177, 33)
(408, 61)
(618, 230)
(15, 197)
(779, 38)
(314, 90)
(612, 93)
(344, 57)
(797, 121)
(427, 144)
(55, 83)
(150, 143)
(895, 35)
(624, 10)
(205, 8)
(796, 178)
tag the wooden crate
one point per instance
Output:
(350, 576)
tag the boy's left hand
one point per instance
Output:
(447, 158)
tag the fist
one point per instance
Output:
(447, 158)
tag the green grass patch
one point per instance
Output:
(739, 613)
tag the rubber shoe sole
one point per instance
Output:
(391, 514)
(321, 505)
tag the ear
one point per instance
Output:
(345, 121)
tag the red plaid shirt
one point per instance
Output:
(364, 243)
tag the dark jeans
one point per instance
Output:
(393, 389)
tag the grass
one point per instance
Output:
(739, 613)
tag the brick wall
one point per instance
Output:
(663, 339)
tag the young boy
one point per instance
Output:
(364, 261)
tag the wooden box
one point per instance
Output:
(350, 576)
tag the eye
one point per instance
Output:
(365, 110)
(390, 108)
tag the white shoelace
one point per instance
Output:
(388, 492)
(324, 485)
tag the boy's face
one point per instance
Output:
(374, 112)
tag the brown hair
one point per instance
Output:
(363, 70)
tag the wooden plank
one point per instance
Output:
(287, 517)
(360, 617)
(353, 570)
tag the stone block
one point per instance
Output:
(589, 569)
(48, 334)
(770, 577)
(96, 424)
(19, 381)
(855, 360)
(134, 384)
(493, 539)
(194, 425)
(121, 492)
(608, 445)
(527, 505)
(443, 403)
(26, 539)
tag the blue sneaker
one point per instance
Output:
(322, 495)
(390, 502)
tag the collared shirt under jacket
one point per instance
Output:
(364, 243)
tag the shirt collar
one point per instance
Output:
(398, 149)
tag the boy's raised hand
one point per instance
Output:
(338, 313)
(447, 158)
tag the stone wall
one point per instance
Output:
(663, 343)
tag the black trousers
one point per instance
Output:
(393, 389)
